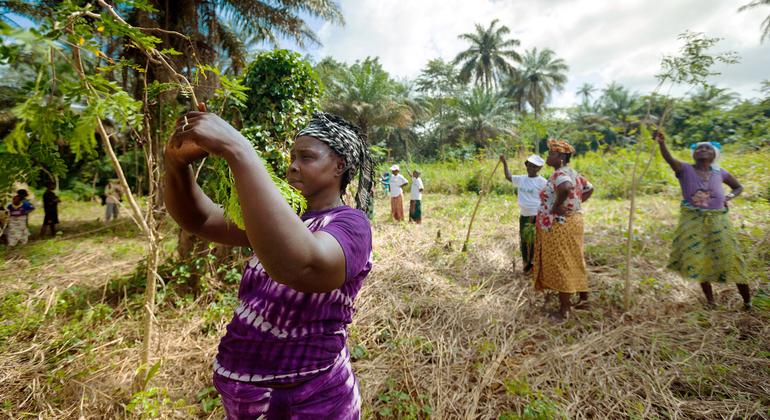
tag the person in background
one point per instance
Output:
(415, 198)
(705, 247)
(385, 180)
(397, 182)
(51, 209)
(113, 196)
(559, 264)
(528, 188)
(18, 211)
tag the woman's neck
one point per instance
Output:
(702, 165)
(323, 203)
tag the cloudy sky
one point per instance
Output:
(621, 40)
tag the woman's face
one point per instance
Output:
(704, 152)
(314, 167)
(554, 159)
(532, 169)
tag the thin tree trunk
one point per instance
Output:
(632, 208)
(537, 139)
(482, 193)
(630, 233)
(148, 227)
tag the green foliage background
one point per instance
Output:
(281, 93)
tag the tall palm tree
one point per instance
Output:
(618, 103)
(366, 95)
(586, 91)
(540, 75)
(764, 87)
(765, 25)
(711, 97)
(481, 115)
(488, 58)
(408, 136)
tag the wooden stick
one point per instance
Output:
(482, 193)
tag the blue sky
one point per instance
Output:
(601, 41)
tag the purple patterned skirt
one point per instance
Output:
(333, 394)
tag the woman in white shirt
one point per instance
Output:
(397, 182)
(529, 187)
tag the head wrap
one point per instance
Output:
(349, 142)
(712, 144)
(560, 146)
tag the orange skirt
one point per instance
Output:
(397, 208)
(559, 264)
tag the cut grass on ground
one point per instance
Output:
(437, 333)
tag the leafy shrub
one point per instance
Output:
(81, 191)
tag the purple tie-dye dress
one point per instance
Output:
(284, 353)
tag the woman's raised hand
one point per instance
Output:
(202, 133)
(659, 136)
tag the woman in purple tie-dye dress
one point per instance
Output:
(284, 354)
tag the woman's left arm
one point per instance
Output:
(562, 192)
(733, 183)
(586, 195)
(587, 190)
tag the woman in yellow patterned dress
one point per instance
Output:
(559, 263)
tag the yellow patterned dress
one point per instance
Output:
(559, 264)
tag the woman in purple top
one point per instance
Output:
(283, 355)
(705, 248)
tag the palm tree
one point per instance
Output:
(481, 115)
(764, 87)
(487, 59)
(533, 84)
(710, 97)
(366, 95)
(765, 25)
(32, 10)
(586, 91)
(214, 28)
(407, 137)
(618, 103)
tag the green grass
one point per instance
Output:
(609, 172)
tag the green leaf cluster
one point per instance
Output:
(283, 93)
(276, 98)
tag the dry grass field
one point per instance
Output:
(438, 333)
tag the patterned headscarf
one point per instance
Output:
(348, 141)
(560, 146)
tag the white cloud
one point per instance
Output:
(621, 41)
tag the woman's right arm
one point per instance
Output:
(505, 169)
(672, 162)
(189, 206)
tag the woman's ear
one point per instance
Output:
(341, 167)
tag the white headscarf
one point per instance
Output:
(714, 146)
